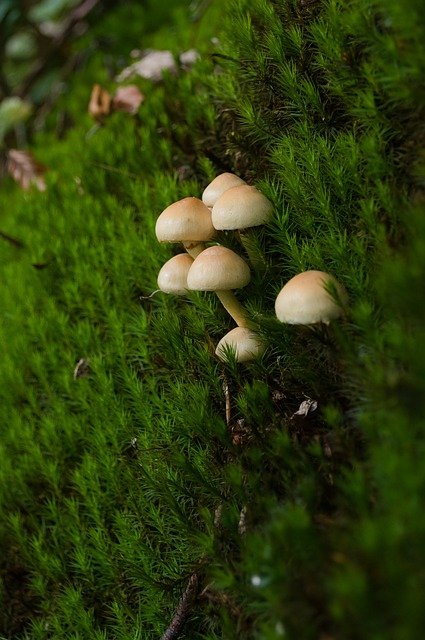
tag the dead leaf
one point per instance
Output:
(241, 434)
(242, 526)
(306, 407)
(218, 512)
(100, 103)
(227, 400)
(25, 170)
(151, 66)
(128, 99)
(188, 58)
(82, 369)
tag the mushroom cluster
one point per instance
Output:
(228, 203)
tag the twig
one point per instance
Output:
(78, 14)
(182, 610)
(227, 400)
(14, 241)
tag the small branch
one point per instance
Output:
(182, 610)
(78, 14)
(12, 240)
(227, 400)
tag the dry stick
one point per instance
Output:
(182, 610)
(227, 400)
(78, 14)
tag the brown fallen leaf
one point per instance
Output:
(25, 170)
(100, 103)
(128, 99)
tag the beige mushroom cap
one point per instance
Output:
(306, 300)
(218, 186)
(187, 220)
(172, 277)
(218, 268)
(241, 207)
(244, 342)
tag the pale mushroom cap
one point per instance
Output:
(218, 269)
(218, 186)
(187, 220)
(172, 277)
(241, 207)
(306, 300)
(244, 342)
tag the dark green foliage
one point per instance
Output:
(115, 486)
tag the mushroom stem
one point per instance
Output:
(194, 248)
(234, 308)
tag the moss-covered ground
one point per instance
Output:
(161, 462)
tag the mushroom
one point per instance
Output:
(220, 269)
(305, 299)
(218, 186)
(187, 221)
(172, 277)
(243, 341)
(240, 208)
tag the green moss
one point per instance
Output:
(115, 486)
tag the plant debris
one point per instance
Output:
(153, 63)
(82, 369)
(128, 99)
(25, 170)
(151, 66)
(306, 407)
(100, 103)
(182, 610)
(188, 58)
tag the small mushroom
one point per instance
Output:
(243, 341)
(218, 186)
(220, 269)
(305, 299)
(187, 221)
(241, 208)
(172, 277)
